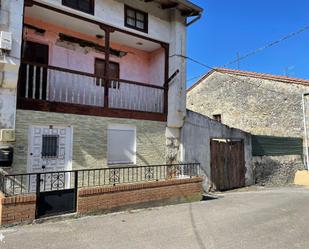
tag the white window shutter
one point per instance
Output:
(121, 144)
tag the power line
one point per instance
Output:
(290, 35)
(229, 75)
(191, 59)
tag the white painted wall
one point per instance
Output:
(111, 12)
(164, 25)
(177, 89)
(196, 134)
(11, 20)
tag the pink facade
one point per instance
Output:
(136, 65)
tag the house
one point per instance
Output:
(267, 106)
(91, 74)
(92, 84)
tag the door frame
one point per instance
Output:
(69, 145)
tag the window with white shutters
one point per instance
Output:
(121, 144)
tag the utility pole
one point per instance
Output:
(238, 60)
(286, 71)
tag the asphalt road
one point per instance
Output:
(270, 218)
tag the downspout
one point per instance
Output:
(305, 130)
(198, 17)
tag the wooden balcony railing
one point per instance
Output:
(54, 84)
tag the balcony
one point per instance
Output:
(78, 66)
(45, 86)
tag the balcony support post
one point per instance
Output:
(106, 69)
(107, 31)
(166, 77)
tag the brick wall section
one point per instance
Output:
(104, 198)
(21, 209)
(17, 209)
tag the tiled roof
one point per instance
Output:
(253, 75)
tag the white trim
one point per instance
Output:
(30, 129)
(121, 127)
(68, 149)
(69, 143)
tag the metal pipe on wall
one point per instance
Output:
(305, 129)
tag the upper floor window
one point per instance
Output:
(135, 19)
(81, 5)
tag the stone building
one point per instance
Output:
(260, 104)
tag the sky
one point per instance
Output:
(229, 27)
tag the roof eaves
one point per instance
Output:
(191, 5)
(251, 74)
(201, 79)
(264, 76)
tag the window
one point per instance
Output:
(99, 70)
(121, 144)
(86, 6)
(218, 118)
(50, 146)
(135, 19)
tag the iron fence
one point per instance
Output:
(17, 184)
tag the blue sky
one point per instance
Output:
(229, 27)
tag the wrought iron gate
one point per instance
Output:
(56, 193)
(227, 164)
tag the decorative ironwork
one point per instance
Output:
(149, 173)
(57, 181)
(114, 176)
(16, 184)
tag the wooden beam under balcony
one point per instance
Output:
(46, 106)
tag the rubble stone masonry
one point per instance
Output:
(255, 105)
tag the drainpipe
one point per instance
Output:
(305, 130)
(198, 17)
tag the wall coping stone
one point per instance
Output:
(18, 199)
(137, 186)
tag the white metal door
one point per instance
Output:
(39, 162)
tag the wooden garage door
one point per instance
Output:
(227, 164)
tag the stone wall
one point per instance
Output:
(90, 138)
(261, 106)
(255, 105)
(276, 170)
(196, 135)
